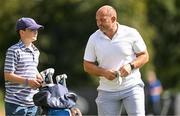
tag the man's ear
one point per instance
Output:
(113, 19)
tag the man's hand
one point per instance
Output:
(125, 70)
(109, 74)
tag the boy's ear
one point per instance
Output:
(21, 31)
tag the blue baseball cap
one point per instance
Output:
(27, 23)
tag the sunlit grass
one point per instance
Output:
(2, 104)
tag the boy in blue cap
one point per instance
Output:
(20, 70)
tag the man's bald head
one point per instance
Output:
(107, 10)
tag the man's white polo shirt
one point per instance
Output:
(112, 54)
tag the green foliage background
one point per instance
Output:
(165, 17)
(69, 23)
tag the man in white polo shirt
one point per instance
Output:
(115, 53)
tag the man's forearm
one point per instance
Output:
(93, 69)
(142, 58)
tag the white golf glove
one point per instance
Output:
(118, 75)
(128, 68)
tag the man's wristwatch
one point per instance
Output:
(132, 66)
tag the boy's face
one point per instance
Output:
(29, 35)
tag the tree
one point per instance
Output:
(165, 17)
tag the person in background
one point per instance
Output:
(154, 92)
(20, 70)
(114, 53)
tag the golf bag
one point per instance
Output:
(54, 99)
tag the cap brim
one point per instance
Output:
(36, 27)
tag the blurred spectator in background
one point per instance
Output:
(154, 88)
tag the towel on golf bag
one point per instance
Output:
(56, 96)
